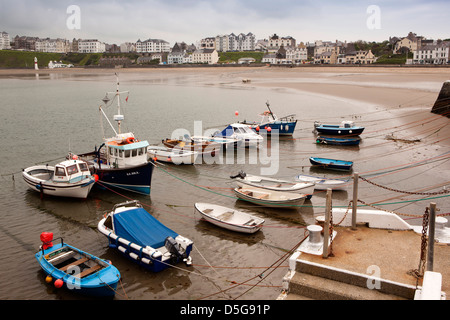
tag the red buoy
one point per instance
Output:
(59, 283)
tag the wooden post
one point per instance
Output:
(431, 229)
(326, 225)
(355, 199)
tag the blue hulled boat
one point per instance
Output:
(121, 161)
(142, 238)
(284, 126)
(75, 269)
(346, 128)
(338, 141)
(331, 163)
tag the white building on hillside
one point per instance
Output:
(53, 45)
(152, 46)
(128, 47)
(4, 41)
(90, 46)
(242, 42)
(231, 42)
(276, 41)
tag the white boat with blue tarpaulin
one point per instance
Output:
(139, 236)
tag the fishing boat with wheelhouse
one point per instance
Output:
(269, 122)
(121, 161)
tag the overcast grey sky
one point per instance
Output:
(192, 20)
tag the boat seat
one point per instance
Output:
(226, 215)
(88, 271)
(208, 210)
(251, 221)
(248, 193)
(263, 196)
(76, 263)
(61, 256)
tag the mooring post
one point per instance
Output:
(326, 225)
(431, 229)
(355, 199)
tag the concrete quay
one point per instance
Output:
(366, 264)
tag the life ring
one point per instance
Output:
(130, 140)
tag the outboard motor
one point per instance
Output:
(46, 238)
(176, 251)
(241, 175)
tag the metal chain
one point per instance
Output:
(402, 191)
(423, 247)
(330, 252)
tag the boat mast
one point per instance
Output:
(118, 117)
(271, 113)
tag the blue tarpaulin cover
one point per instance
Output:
(140, 227)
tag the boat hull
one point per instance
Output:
(132, 239)
(332, 164)
(274, 200)
(338, 141)
(103, 283)
(32, 177)
(174, 156)
(339, 131)
(229, 219)
(276, 185)
(283, 128)
(321, 183)
(137, 179)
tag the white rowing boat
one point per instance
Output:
(269, 198)
(228, 218)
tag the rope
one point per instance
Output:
(260, 275)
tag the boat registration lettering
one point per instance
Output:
(132, 173)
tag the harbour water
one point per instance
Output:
(45, 116)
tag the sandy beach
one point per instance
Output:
(396, 89)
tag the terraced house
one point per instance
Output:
(433, 54)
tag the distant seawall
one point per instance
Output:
(442, 104)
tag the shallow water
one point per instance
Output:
(46, 116)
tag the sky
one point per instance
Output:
(117, 22)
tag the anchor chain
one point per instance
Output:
(418, 273)
(407, 192)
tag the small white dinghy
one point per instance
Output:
(248, 180)
(269, 198)
(175, 155)
(70, 178)
(228, 218)
(322, 183)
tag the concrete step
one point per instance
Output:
(318, 281)
(305, 286)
